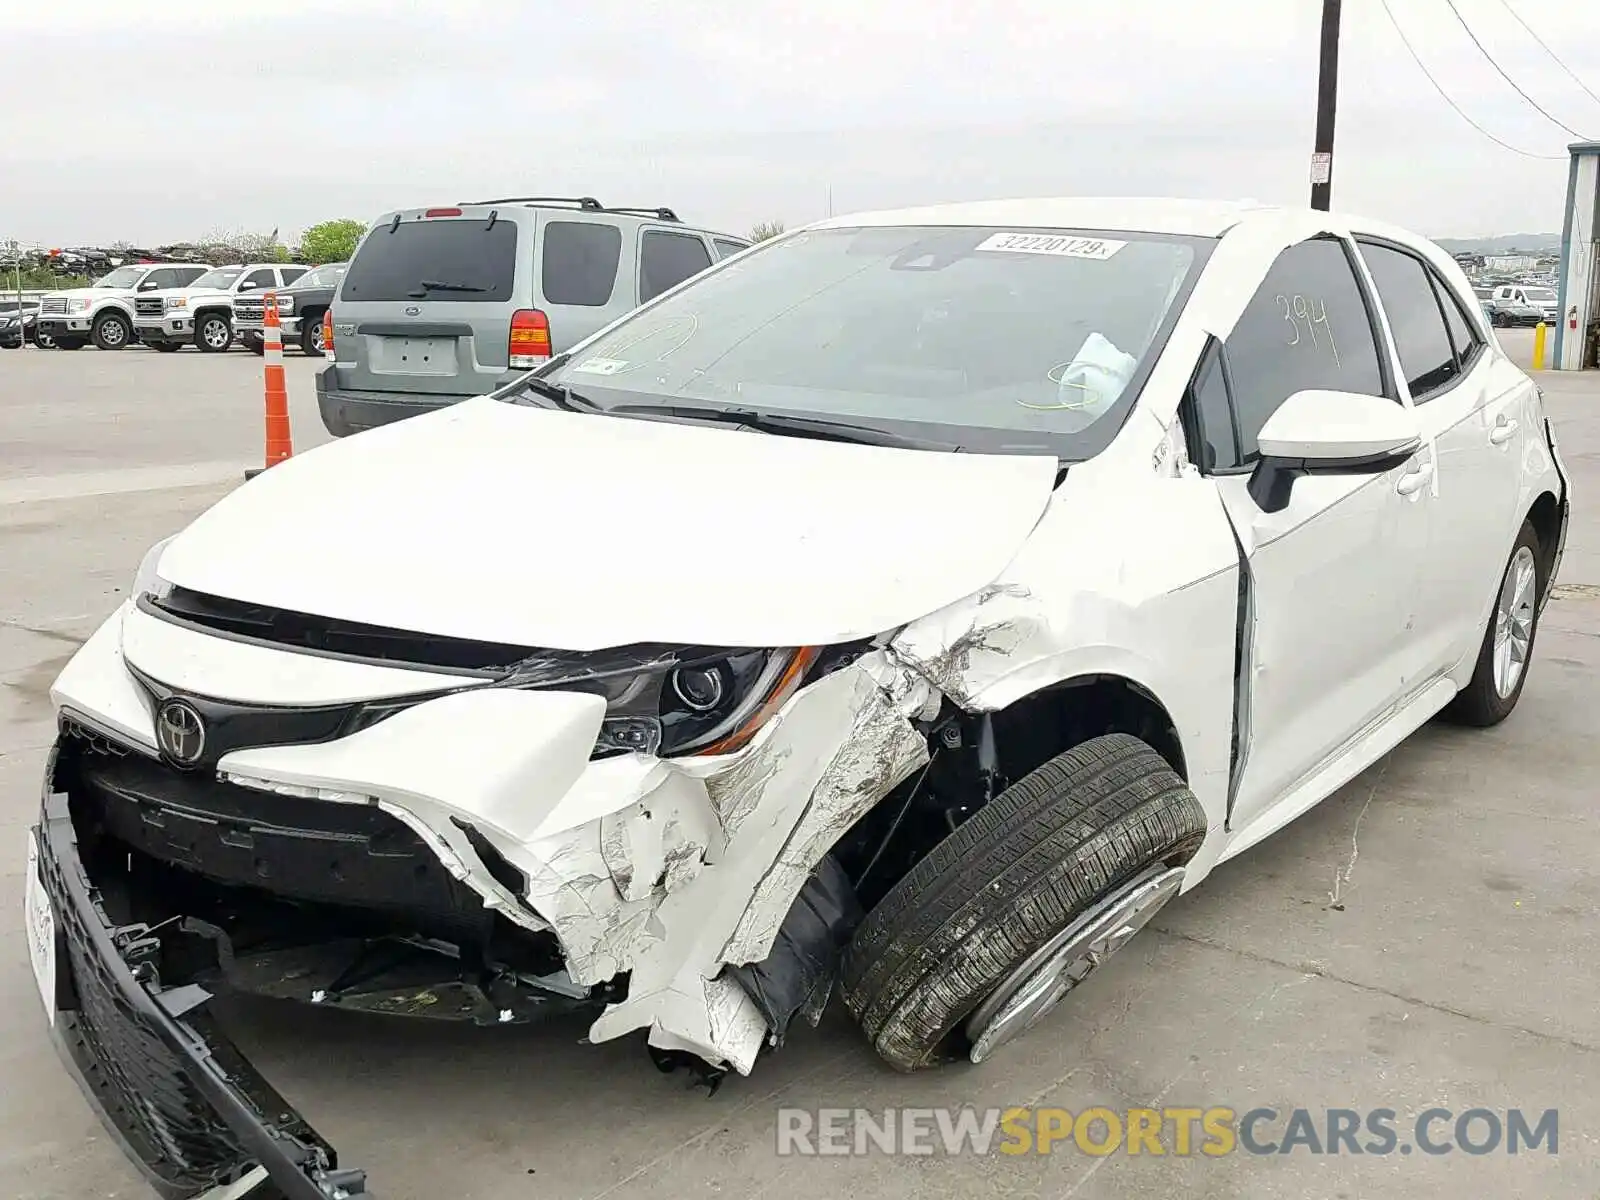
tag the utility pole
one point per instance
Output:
(1327, 104)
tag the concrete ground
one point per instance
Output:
(1427, 937)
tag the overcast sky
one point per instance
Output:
(159, 122)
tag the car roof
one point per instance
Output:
(1198, 218)
(1126, 214)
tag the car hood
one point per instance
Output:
(570, 531)
(93, 293)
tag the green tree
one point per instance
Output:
(762, 230)
(331, 241)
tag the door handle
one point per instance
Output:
(1415, 480)
(1502, 432)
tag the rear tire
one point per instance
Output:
(213, 333)
(952, 936)
(112, 331)
(1506, 652)
(311, 335)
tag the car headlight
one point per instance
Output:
(176, 302)
(680, 701)
(285, 305)
(147, 580)
(77, 306)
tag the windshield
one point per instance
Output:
(322, 277)
(1541, 295)
(222, 277)
(122, 277)
(986, 339)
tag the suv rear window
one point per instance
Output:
(476, 261)
(580, 262)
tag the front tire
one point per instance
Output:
(213, 333)
(958, 957)
(253, 343)
(112, 331)
(1506, 651)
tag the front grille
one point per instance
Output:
(54, 306)
(134, 1076)
(149, 306)
(248, 310)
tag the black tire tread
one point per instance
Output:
(1013, 875)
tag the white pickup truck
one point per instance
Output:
(103, 312)
(201, 314)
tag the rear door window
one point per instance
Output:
(290, 274)
(667, 259)
(187, 275)
(258, 279)
(580, 262)
(460, 260)
(1415, 319)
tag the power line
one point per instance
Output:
(1531, 33)
(1445, 96)
(1484, 50)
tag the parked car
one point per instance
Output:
(201, 314)
(1063, 549)
(440, 304)
(18, 324)
(301, 306)
(1524, 304)
(103, 312)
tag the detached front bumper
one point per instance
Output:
(186, 1107)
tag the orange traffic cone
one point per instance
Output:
(280, 444)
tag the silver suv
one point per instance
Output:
(442, 304)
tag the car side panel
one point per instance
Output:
(1130, 573)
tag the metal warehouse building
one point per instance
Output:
(1578, 332)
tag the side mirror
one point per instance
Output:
(247, 287)
(149, 285)
(1330, 433)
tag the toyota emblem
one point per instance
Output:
(180, 732)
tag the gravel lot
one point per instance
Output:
(1459, 967)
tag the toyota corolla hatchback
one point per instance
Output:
(903, 609)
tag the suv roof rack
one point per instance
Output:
(587, 203)
(584, 203)
(660, 214)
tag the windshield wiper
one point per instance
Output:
(563, 396)
(435, 285)
(782, 423)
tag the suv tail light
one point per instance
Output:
(327, 334)
(530, 338)
(442, 212)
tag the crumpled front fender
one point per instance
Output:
(668, 869)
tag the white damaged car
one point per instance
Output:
(904, 610)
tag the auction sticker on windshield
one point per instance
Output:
(1052, 243)
(39, 923)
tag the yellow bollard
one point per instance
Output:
(1538, 346)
